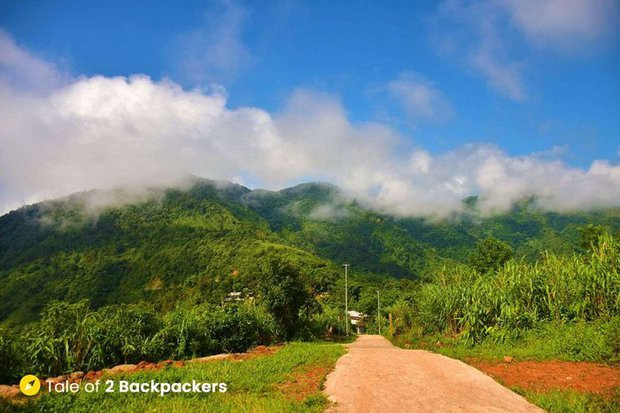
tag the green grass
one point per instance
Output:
(594, 341)
(566, 401)
(252, 386)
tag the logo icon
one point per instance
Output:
(30, 385)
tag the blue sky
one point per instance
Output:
(349, 49)
(533, 79)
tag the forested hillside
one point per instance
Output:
(200, 243)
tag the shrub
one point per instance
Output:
(518, 295)
(62, 340)
(490, 255)
(11, 358)
(326, 322)
(233, 328)
(126, 334)
(403, 316)
(71, 336)
(205, 330)
(283, 293)
(184, 333)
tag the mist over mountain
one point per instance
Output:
(63, 134)
(163, 245)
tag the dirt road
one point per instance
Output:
(375, 376)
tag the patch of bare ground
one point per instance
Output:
(543, 376)
(258, 351)
(304, 381)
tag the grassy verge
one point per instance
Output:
(563, 401)
(595, 342)
(254, 385)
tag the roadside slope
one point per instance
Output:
(375, 376)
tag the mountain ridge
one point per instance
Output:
(184, 244)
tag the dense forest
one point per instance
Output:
(219, 267)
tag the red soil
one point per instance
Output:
(304, 382)
(259, 351)
(544, 376)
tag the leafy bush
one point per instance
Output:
(594, 341)
(490, 254)
(283, 292)
(184, 333)
(327, 322)
(63, 340)
(403, 317)
(236, 328)
(11, 358)
(205, 330)
(127, 334)
(71, 336)
(503, 304)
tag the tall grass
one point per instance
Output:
(72, 337)
(461, 302)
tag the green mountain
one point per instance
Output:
(202, 242)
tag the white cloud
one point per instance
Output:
(495, 38)
(19, 68)
(564, 25)
(214, 52)
(502, 74)
(100, 132)
(420, 97)
(476, 35)
(328, 212)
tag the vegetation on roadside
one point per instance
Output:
(560, 306)
(73, 337)
(563, 401)
(254, 385)
(579, 341)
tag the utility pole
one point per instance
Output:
(378, 313)
(346, 299)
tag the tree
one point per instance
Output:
(590, 236)
(283, 292)
(490, 254)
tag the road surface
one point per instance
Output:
(375, 376)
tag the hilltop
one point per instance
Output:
(202, 241)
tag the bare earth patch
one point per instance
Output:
(304, 382)
(259, 351)
(544, 376)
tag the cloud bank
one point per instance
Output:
(101, 132)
